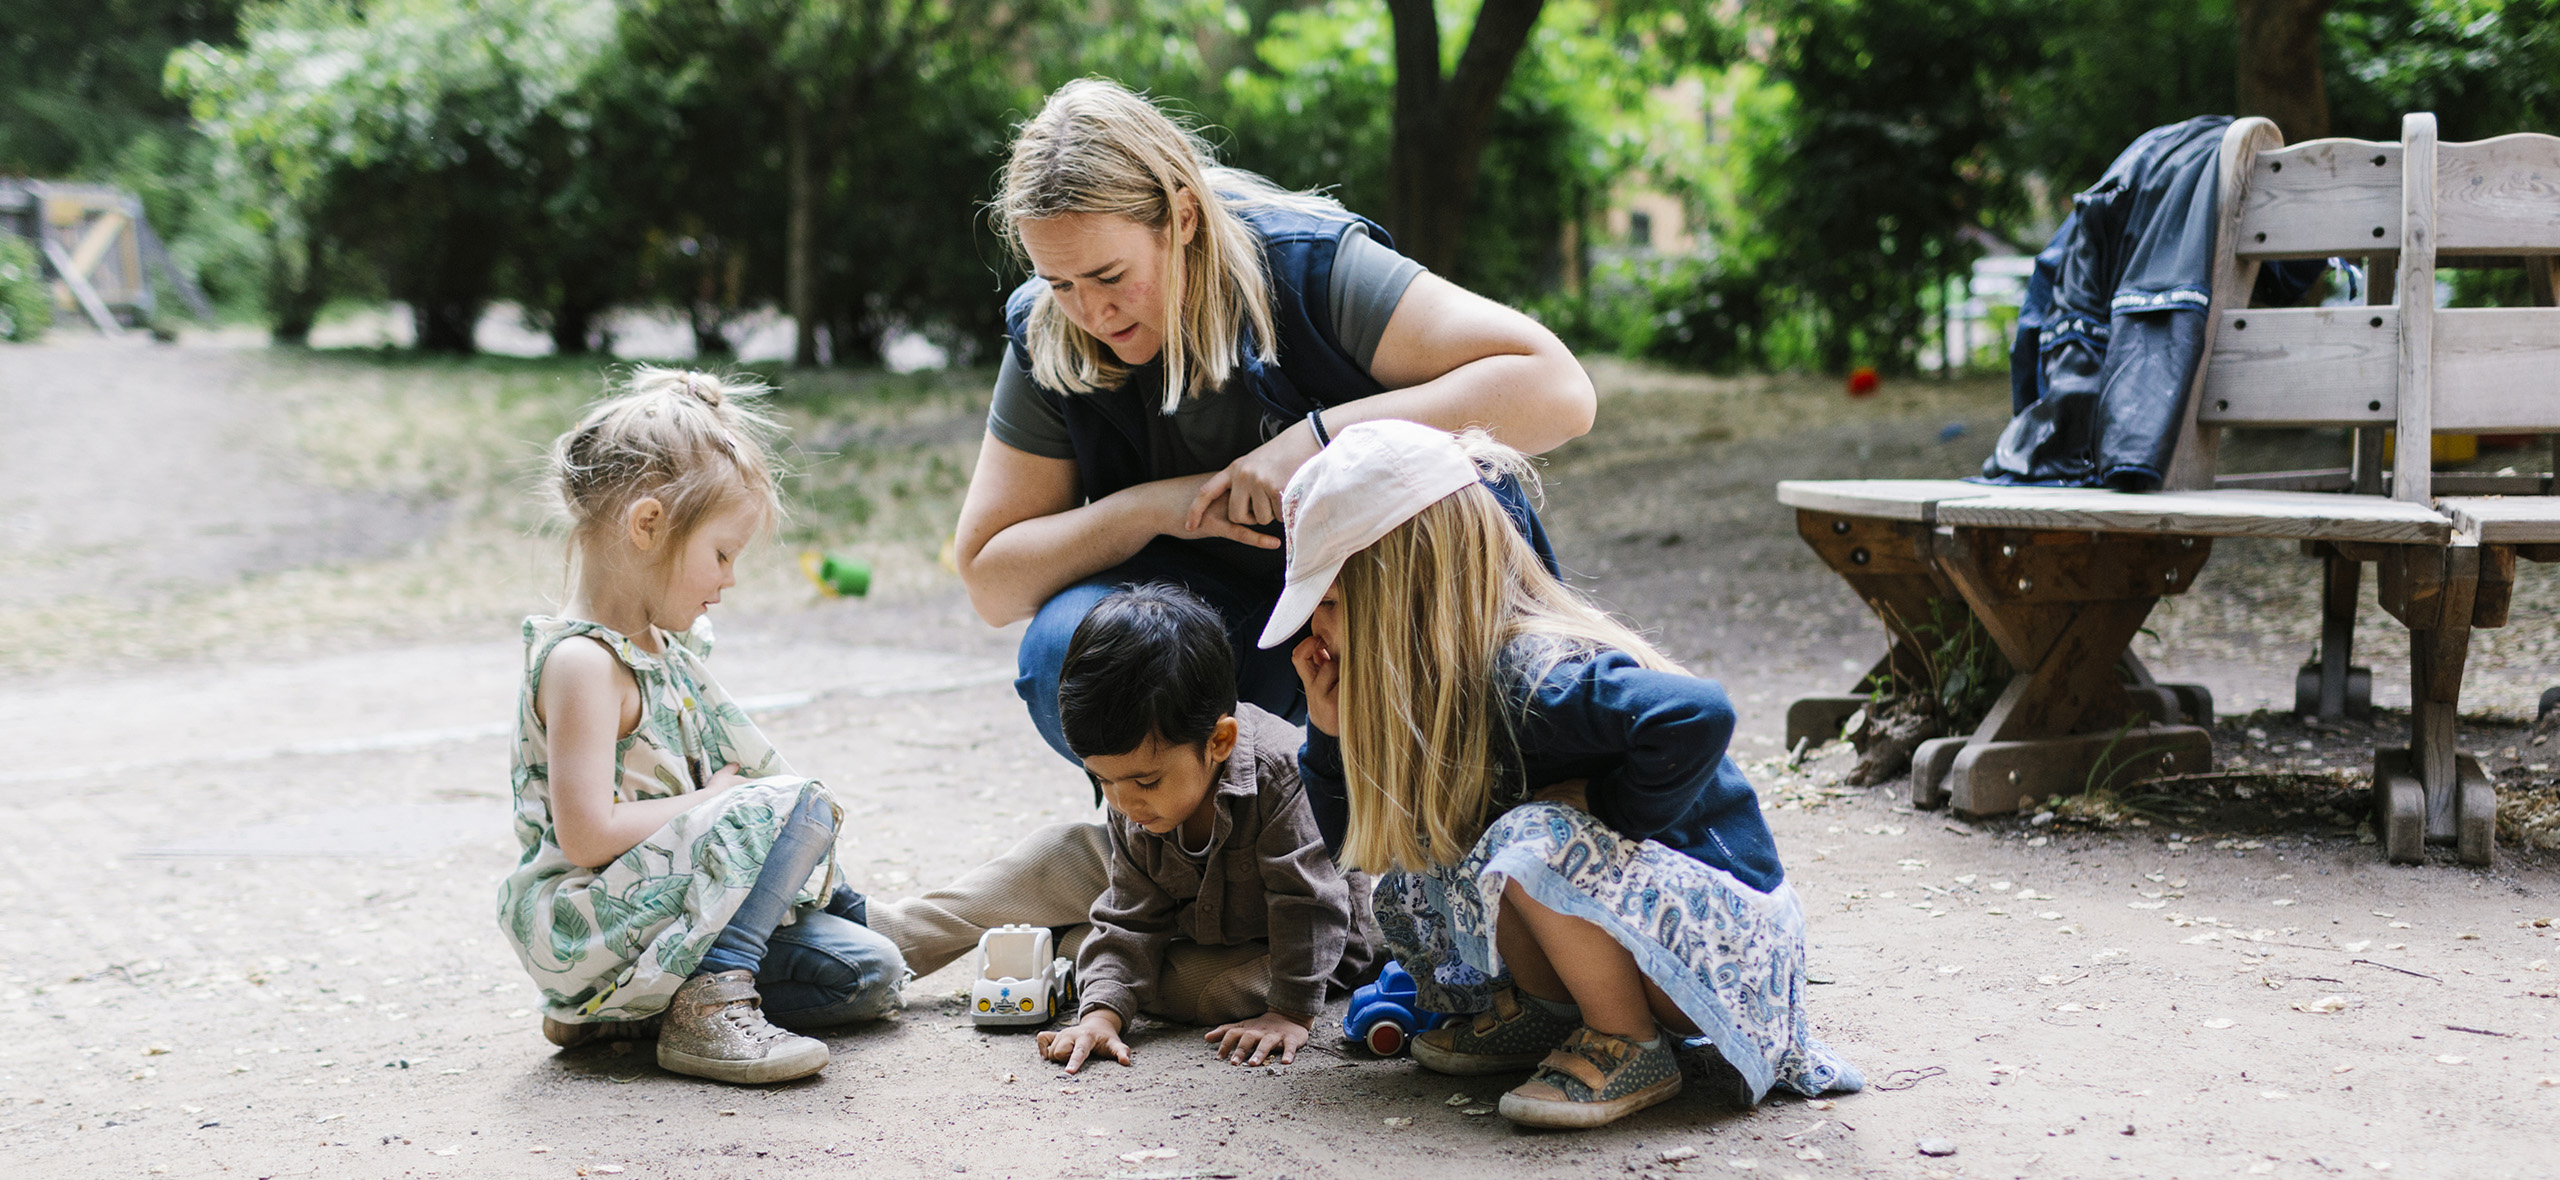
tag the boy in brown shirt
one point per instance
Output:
(1223, 906)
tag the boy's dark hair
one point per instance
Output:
(1148, 660)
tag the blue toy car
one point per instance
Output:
(1383, 1015)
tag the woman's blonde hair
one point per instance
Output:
(1097, 148)
(694, 441)
(1435, 670)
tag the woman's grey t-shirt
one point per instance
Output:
(1206, 433)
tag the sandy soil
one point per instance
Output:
(245, 939)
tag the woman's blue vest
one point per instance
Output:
(1108, 428)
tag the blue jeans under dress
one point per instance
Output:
(824, 969)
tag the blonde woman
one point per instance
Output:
(1191, 334)
(1564, 848)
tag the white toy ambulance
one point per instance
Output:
(1019, 980)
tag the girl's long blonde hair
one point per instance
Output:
(1097, 148)
(1429, 706)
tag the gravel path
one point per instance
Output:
(248, 945)
(132, 470)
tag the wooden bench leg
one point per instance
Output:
(1991, 777)
(1886, 562)
(2333, 688)
(2191, 703)
(1929, 766)
(2062, 612)
(2442, 595)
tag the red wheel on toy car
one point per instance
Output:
(1386, 1038)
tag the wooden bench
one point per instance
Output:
(2062, 578)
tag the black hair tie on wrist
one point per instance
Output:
(1315, 422)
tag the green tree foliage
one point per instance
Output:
(870, 130)
(1305, 94)
(407, 130)
(2485, 67)
(2111, 71)
(80, 82)
(26, 299)
(81, 98)
(1885, 155)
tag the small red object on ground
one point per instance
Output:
(1863, 381)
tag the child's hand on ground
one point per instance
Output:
(1259, 1037)
(1098, 1032)
(1323, 679)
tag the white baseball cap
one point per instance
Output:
(1375, 475)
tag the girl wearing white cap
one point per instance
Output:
(1564, 848)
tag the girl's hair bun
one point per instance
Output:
(689, 438)
(710, 389)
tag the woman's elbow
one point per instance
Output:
(996, 611)
(987, 595)
(1573, 402)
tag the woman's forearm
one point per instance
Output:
(1531, 401)
(1028, 562)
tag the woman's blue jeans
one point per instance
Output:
(1265, 678)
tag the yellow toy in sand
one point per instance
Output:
(836, 575)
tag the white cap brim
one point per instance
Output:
(1298, 602)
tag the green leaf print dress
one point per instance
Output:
(614, 943)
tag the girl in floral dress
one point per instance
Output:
(678, 879)
(1564, 849)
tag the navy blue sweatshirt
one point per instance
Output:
(1652, 745)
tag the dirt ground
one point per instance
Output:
(247, 902)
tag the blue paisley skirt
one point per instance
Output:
(1730, 956)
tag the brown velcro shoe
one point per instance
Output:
(1512, 1034)
(1593, 1080)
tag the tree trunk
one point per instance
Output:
(2279, 72)
(1441, 124)
(800, 271)
(573, 328)
(446, 325)
(294, 292)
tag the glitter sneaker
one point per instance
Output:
(715, 1028)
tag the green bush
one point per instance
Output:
(26, 299)
(1694, 312)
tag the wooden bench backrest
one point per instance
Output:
(2399, 364)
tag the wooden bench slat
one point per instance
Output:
(2498, 196)
(2307, 366)
(1889, 499)
(2322, 197)
(2497, 369)
(2505, 519)
(2303, 516)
